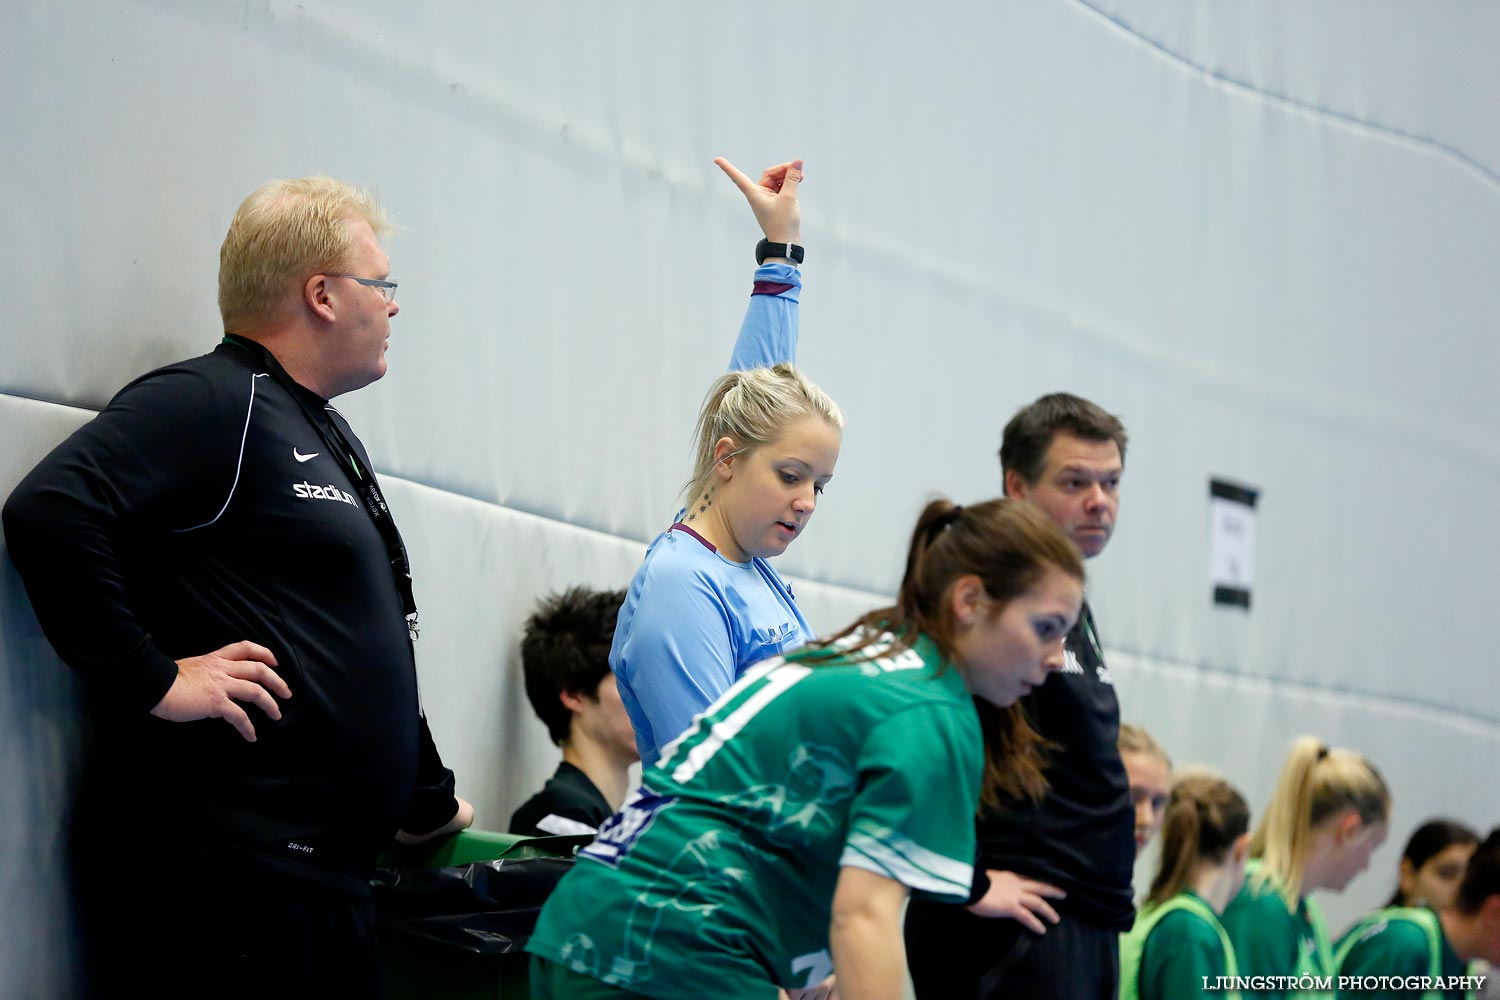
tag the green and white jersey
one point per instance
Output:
(1403, 944)
(717, 876)
(1270, 940)
(1176, 950)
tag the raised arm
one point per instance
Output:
(768, 335)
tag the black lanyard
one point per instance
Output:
(363, 479)
(1086, 619)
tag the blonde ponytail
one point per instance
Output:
(751, 408)
(1316, 784)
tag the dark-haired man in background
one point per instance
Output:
(565, 656)
(1076, 844)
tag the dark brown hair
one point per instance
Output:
(1429, 840)
(1030, 432)
(1481, 876)
(1205, 816)
(1009, 545)
(566, 649)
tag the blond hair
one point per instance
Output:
(1316, 784)
(1135, 739)
(753, 407)
(284, 232)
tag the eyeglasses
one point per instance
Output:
(387, 288)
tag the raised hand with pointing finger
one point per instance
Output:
(773, 198)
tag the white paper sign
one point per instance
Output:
(1232, 544)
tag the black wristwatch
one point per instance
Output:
(791, 251)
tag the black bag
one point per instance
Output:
(483, 907)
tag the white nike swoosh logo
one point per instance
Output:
(303, 458)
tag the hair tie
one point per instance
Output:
(942, 521)
(1322, 751)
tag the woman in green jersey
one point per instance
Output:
(1177, 948)
(777, 839)
(1424, 954)
(1327, 815)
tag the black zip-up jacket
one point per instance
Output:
(200, 508)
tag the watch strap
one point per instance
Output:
(791, 251)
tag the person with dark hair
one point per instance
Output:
(1177, 947)
(565, 656)
(1402, 945)
(1432, 864)
(776, 840)
(1073, 842)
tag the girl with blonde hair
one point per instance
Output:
(1148, 769)
(706, 604)
(1327, 815)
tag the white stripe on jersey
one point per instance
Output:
(561, 826)
(728, 727)
(909, 863)
(754, 674)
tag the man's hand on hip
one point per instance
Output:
(209, 687)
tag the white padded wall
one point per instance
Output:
(38, 748)
(1263, 233)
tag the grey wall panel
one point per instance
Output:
(1362, 69)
